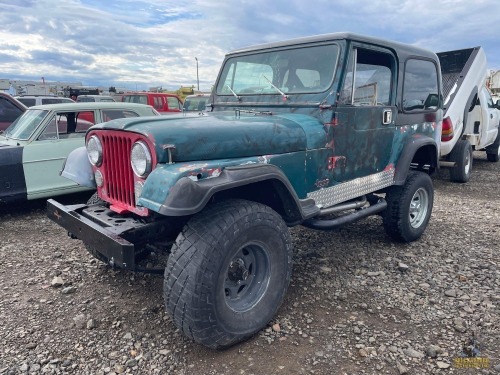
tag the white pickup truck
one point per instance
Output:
(471, 119)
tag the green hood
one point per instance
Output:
(223, 135)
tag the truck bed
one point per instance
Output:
(454, 67)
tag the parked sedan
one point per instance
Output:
(34, 147)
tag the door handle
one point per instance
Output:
(387, 117)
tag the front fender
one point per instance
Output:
(181, 189)
(77, 168)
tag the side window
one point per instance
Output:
(51, 131)
(420, 86)
(368, 80)
(84, 120)
(173, 103)
(141, 99)
(51, 100)
(113, 114)
(27, 101)
(158, 103)
(489, 100)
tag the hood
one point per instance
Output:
(221, 135)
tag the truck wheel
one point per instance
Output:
(494, 157)
(228, 272)
(462, 155)
(493, 151)
(409, 207)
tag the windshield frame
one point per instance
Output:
(26, 125)
(268, 72)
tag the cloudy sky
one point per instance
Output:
(145, 43)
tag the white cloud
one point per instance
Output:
(155, 42)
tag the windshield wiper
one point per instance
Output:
(235, 95)
(285, 96)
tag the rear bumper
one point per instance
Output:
(118, 240)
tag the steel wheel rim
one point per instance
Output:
(419, 206)
(467, 162)
(247, 277)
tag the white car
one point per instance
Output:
(32, 100)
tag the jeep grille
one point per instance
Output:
(119, 180)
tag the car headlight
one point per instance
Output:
(140, 158)
(94, 150)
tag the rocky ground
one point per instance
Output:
(358, 303)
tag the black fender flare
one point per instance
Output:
(188, 197)
(408, 154)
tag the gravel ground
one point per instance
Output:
(357, 304)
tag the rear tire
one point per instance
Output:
(409, 207)
(228, 272)
(493, 151)
(462, 156)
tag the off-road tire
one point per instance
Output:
(493, 151)
(462, 156)
(94, 199)
(409, 207)
(228, 272)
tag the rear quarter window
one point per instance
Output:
(420, 86)
(141, 99)
(27, 102)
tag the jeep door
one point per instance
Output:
(363, 128)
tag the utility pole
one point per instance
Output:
(197, 76)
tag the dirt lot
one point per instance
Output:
(358, 303)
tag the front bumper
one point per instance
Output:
(119, 240)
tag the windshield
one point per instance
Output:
(25, 125)
(300, 70)
(195, 104)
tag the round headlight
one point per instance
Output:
(140, 158)
(94, 150)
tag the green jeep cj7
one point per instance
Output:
(319, 131)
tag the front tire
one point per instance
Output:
(493, 151)
(228, 272)
(409, 207)
(462, 156)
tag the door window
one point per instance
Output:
(420, 86)
(368, 81)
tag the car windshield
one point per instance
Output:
(195, 103)
(25, 125)
(299, 70)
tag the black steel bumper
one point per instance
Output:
(95, 227)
